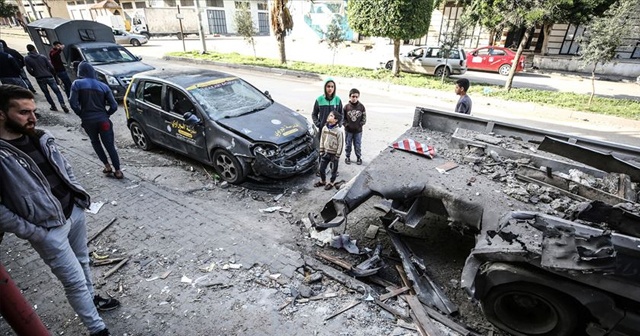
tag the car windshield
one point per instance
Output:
(228, 98)
(106, 55)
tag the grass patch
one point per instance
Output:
(624, 108)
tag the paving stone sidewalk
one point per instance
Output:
(160, 231)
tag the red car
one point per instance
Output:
(493, 59)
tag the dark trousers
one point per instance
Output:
(50, 82)
(324, 162)
(355, 140)
(101, 133)
(26, 80)
(66, 81)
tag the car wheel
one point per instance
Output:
(389, 65)
(180, 36)
(135, 42)
(504, 69)
(228, 167)
(140, 137)
(526, 309)
(440, 69)
(147, 35)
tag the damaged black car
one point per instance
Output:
(220, 120)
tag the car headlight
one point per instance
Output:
(268, 151)
(312, 129)
(111, 80)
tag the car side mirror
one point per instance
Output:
(191, 119)
(266, 93)
(139, 58)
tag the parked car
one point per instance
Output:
(122, 37)
(220, 120)
(493, 59)
(431, 61)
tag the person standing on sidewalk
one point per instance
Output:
(464, 103)
(89, 99)
(20, 59)
(9, 69)
(355, 116)
(42, 202)
(331, 144)
(41, 68)
(326, 103)
(55, 54)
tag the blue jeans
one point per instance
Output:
(26, 80)
(65, 251)
(66, 81)
(101, 133)
(51, 82)
(324, 162)
(356, 140)
(13, 81)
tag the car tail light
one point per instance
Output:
(461, 62)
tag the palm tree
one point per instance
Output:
(281, 24)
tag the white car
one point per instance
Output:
(122, 37)
(430, 60)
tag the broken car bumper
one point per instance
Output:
(263, 166)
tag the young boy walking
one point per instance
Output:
(331, 144)
(355, 116)
(464, 103)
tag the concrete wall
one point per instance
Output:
(623, 68)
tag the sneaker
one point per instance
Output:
(347, 160)
(65, 108)
(105, 304)
(103, 332)
(53, 108)
(359, 161)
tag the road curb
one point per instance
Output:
(286, 72)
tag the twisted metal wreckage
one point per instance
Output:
(555, 254)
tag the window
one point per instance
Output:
(127, 5)
(217, 21)
(87, 34)
(43, 36)
(152, 93)
(141, 4)
(482, 52)
(571, 44)
(187, 3)
(170, 3)
(242, 5)
(69, 3)
(215, 3)
(262, 6)
(263, 23)
(497, 52)
(179, 103)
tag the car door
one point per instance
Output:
(479, 59)
(431, 60)
(149, 109)
(189, 137)
(497, 58)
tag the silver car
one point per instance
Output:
(122, 37)
(430, 61)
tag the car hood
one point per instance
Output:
(121, 69)
(276, 124)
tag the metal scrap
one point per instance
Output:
(594, 158)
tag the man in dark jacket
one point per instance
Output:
(20, 59)
(9, 69)
(42, 202)
(55, 54)
(41, 68)
(89, 100)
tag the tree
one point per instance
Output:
(7, 10)
(577, 12)
(450, 41)
(334, 37)
(394, 19)
(604, 35)
(281, 24)
(525, 14)
(245, 25)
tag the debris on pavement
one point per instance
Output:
(372, 230)
(94, 207)
(271, 209)
(115, 268)
(101, 230)
(344, 241)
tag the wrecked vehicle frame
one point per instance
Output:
(534, 273)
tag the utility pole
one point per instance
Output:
(200, 30)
